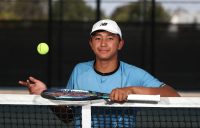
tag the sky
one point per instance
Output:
(108, 6)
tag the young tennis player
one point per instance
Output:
(106, 73)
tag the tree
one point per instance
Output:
(140, 11)
(23, 10)
(6, 11)
(75, 10)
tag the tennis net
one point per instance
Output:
(33, 111)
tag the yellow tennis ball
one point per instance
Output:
(42, 48)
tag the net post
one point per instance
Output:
(86, 116)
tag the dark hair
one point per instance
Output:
(94, 33)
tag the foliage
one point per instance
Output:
(75, 10)
(72, 10)
(23, 10)
(140, 11)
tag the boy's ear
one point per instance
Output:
(90, 41)
(121, 44)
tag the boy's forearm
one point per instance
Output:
(165, 91)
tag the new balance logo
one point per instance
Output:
(103, 24)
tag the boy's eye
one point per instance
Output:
(97, 38)
(110, 38)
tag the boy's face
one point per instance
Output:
(105, 45)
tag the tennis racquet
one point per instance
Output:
(73, 95)
(80, 95)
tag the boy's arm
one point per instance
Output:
(121, 94)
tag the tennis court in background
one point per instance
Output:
(21, 110)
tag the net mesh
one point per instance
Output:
(69, 114)
(35, 116)
(168, 118)
(29, 116)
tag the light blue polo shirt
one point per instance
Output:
(84, 77)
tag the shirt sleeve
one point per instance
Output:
(151, 81)
(70, 83)
(145, 79)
